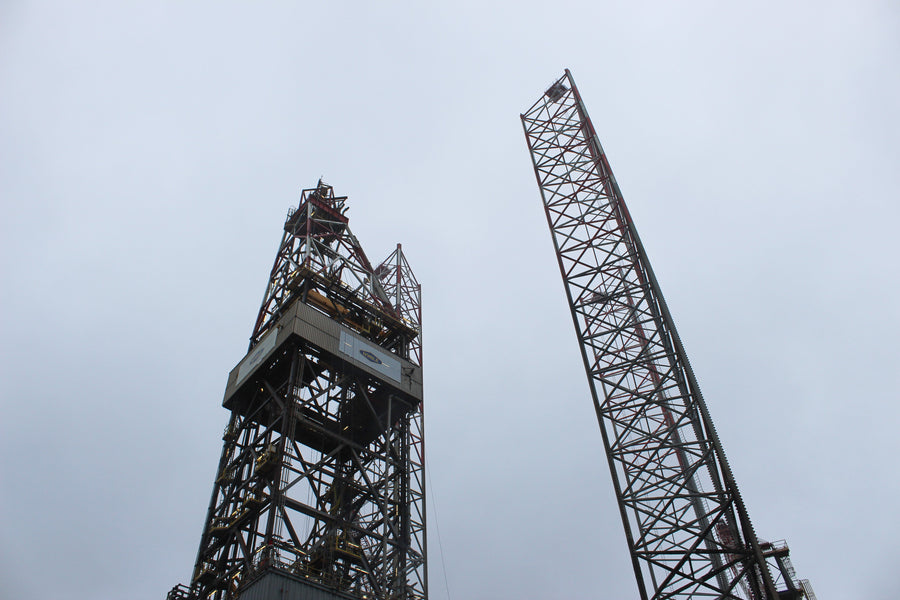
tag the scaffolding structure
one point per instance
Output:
(321, 480)
(686, 525)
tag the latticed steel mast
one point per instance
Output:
(320, 489)
(685, 523)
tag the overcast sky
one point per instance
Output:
(149, 152)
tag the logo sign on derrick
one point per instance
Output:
(371, 357)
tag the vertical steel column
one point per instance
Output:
(402, 287)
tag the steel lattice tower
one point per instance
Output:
(686, 526)
(320, 489)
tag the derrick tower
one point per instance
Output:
(686, 525)
(320, 489)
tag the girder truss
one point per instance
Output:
(686, 527)
(342, 513)
(404, 293)
(322, 468)
(320, 255)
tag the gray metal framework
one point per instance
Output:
(321, 476)
(686, 526)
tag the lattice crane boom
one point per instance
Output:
(686, 525)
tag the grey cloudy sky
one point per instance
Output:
(150, 150)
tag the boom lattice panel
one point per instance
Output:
(685, 523)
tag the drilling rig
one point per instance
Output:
(320, 488)
(686, 525)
